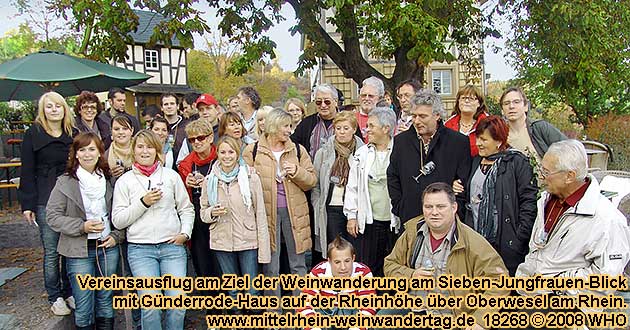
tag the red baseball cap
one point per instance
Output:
(206, 99)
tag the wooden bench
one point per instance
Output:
(9, 183)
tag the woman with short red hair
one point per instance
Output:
(501, 193)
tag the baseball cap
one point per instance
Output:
(206, 99)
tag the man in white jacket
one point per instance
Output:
(578, 232)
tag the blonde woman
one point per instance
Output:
(44, 156)
(152, 203)
(286, 172)
(232, 203)
(260, 119)
(297, 109)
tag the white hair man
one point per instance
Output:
(372, 90)
(578, 232)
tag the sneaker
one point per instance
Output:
(70, 302)
(60, 308)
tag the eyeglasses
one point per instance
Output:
(200, 138)
(514, 102)
(88, 107)
(545, 174)
(326, 102)
(467, 98)
(369, 96)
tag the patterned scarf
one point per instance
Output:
(487, 223)
(320, 133)
(340, 167)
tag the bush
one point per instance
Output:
(613, 130)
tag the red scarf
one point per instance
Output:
(186, 165)
(147, 170)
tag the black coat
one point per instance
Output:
(304, 130)
(44, 158)
(515, 201)
(449, 150)
(104, 129)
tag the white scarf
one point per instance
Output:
(93, 187)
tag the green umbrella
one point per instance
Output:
(27, 78)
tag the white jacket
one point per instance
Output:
(171, 215)
(591, 238)
(356, 204)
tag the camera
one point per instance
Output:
(427, 169)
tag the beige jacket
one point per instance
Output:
(240, 229)
(295, 186)
(470, 255)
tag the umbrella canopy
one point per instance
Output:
(27, 78)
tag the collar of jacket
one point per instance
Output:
(69, 186)
(434, 139)
(179, 121)
(263, 146)
(587, 205)
(41, 138)
(456, 243)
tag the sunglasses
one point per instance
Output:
(200, 138)
(326, 102)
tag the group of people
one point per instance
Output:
(253, 189)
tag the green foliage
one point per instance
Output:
(208, 73)
(23, 111)
(105, 24)
(574, 52)
(613, 130)
(17, 43)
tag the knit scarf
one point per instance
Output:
(240, 173)
(147, 170)
(487, 223)
(340, 167)
(118, 153)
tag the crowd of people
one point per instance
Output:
(252, 189)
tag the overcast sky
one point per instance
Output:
(288, 49)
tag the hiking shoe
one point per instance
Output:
(60, 308)
(70, 302)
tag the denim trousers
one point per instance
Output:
(100, 262)
(55, 276)
(239, 263)
(155, 260)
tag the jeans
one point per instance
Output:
(239, 263)
(155, 260)
(91, 304)
(297, 263)
(55, 279)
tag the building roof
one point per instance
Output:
(161, 88)
(147, 20)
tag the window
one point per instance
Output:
(441, 81)
(151, 59)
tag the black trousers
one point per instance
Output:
(337, 225)
(374, 245)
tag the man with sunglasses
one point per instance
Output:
(315, 129)
(578, 232)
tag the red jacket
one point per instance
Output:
(453, 123)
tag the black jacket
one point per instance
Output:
(515, 201)
(104, 129)
(44, 158)
(178, 129)
(304, 130)
(449, 150)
